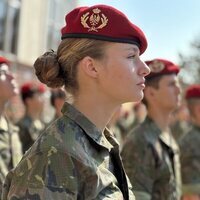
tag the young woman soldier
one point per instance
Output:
(98, 62)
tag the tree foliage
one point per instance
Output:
(190, 64)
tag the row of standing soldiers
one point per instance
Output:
(16, 138)
(150, 154)
(160, 154)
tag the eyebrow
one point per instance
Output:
(135, 49)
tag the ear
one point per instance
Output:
(89, 66)
(149, 92)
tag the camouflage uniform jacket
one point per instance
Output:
(151, 160)
(10, 148)
(190, 161)
(71, 159)
(179, 128)
(29, 131)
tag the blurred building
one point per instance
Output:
(28, 28)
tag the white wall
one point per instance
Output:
(32, 30)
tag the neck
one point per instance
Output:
(160, 117)
(2, 106)
(97, 111)
(58, 113)
(33, 114)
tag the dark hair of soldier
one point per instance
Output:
(152, 82)
(57, 69)
(27, 95)
(57, 94)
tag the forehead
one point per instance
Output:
(169, 78)
(122, 47)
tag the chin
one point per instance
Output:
(138, 98)
(133, 98)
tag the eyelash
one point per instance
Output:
(131, 57)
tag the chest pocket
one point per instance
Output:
(165, 183)
(163, 163)
(5, 147)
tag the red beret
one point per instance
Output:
(105, 23)
(193, 91)
(31, 87)
(160, 67)
(4, 61)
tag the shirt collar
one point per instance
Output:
(90, 129)
(165, 137)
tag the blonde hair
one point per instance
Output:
(60, 69)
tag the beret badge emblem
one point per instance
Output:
(156, 66)
(94, 21)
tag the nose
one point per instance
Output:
(178, 89)
(144, 70)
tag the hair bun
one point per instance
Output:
(47, 69)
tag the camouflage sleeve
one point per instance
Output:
(142, 195)
(2, 174)
(48, 175)
(190, 165)
(130, 189)
(139, 165)
(4, 156)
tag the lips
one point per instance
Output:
(142, 84)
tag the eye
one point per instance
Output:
(131, 57)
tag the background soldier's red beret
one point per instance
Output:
(160, 67)
(193, 91)
(105, 23)
(31, 87)
(3, 60)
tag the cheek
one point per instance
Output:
(4, 85)
(120, 74)
(174, 92)
(125, 73)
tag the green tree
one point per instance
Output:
(190, 64)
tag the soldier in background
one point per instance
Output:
(128, 119)
(77, 157)
(139, 110)
(180, 122)
(150, 153)
(189, 146)
(10, 146)
(30, 124)
(57, 99)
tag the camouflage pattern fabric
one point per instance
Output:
(179, 128)
(29, 131)
(71, 159)
(10, 148)
(190, 161)
(151, 160)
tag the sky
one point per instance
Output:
(169, 25)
